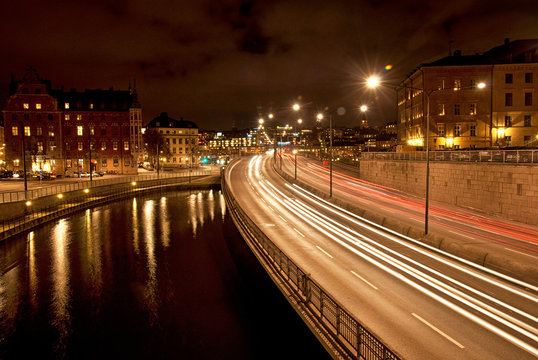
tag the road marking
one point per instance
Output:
(300, 233)
(270, 208)
(282, 218)
(363, 279)
(262, 199)
(522, 253)
(439, 331)
(325, 252)
(460, 234)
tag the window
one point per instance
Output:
(92, 130)
(68, 131)
(40, 146)
(441, 111)
(508, 99)
(38, 117)
(15, 130)
(457, 109)
(80, 130)
(91, 106)
(38, 106)
(126, 145)
(104, 162)
(27, 131)
(16, 162)
(528, 99)
(507, 121)
(51, 131)
(457, 130)
(508, 140)
(508, 78)
(52, 145)
(66, 106)
(174, 141)
(457, 84)
(527, 121)
(50, 116)
(103, 130)
(115, 145)
(472, 109)
(92, 145)
(79, 117)
(126, 161)
(68, 163)
(13, 117)
(26, 106)
(39, 131)
(472, 85)
(67, 146)
(526, 140)
(26, 117)
(441, 130)
(180, 141)
(456, 147)
(116, 161)
(528, 78)
(80, 146)
(472, 130)
(66, 117)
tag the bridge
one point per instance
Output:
(358, 270)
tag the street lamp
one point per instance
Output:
(374, 81)
(319, 116)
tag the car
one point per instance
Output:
(6, 174)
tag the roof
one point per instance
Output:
(164, 121)
(95, 100)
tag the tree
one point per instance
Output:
(154, 144)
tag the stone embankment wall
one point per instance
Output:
(510, 191)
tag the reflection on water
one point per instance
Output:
(149, 277)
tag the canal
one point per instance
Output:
(163, 276)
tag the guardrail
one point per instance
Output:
(339, 324)
(13, 196)
(488, 156)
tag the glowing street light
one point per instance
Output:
(364, 108)
(374, 81)
(296, 107)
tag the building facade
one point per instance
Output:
(465, 116)
(181, 139)
(65, 131)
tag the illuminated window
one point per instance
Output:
(26, 105)
(103, 162)
(457, 130)
(103, 145)
(115, 145)
(472, 109)
(126, 145)
(39, 146)
(457, 84)
(441, 130)
(80, 131)
(27, 131)
(441, 109)
(80, 146)
(39, 131)
(66, 105)
(66, 117)
(79, 117)
(91, 106)
(16, 162)
(92, 130)
(51, 131)
(507, 121)
(38, 106)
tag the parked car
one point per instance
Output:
(6, 174)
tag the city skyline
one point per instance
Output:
(216, 64)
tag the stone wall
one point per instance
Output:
(510, 191)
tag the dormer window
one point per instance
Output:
(26, 106)
(38, 106)
(66, 105)
(170, 124)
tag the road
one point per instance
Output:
(500, 235)
(422, 304)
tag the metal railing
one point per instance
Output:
(36, 214)
(342, 327)
(488, 156)
(12, 196)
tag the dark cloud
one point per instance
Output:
(215, 62)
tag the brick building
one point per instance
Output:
(463, 116)
(62, 130)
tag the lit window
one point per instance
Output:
(66, 116)
(26, 105)
(38, 106)
(39, 131)
(457, 84)
(92, 130)
(51, 131)
(80, 146)
(115, 145)
(457, 130)
(126, 145)
(66, 105)
(80, 131)
(91, 106)
(15, 130)
(441, 109)
(16, 162)
(441, 130)
(103, 145)
(39, 146)
(79, 117)
(27, 131)
(472, 109)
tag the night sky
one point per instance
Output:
(215, 62)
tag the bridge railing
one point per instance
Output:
(13, 196)
(343, 328)
(489, 156)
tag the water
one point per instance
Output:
(160, 277)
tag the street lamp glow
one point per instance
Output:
(260, 121)
(481, 85)
(133, 183)
(319, 116)
(296, 107)
(270, 116)
(364, 108)
(300, 121)
(372, 81)
(60, 196)
(86, 190)
(28, 203)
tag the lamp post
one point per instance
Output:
(319, 116)
(24, 164)
(374, 82)
(90, 152)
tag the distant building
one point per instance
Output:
(62, 130)
(504, 113)
(181, 138)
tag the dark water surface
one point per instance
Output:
(155, 277)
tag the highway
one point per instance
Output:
(419, 302)
(497, 233)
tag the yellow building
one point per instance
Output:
(462, 115)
